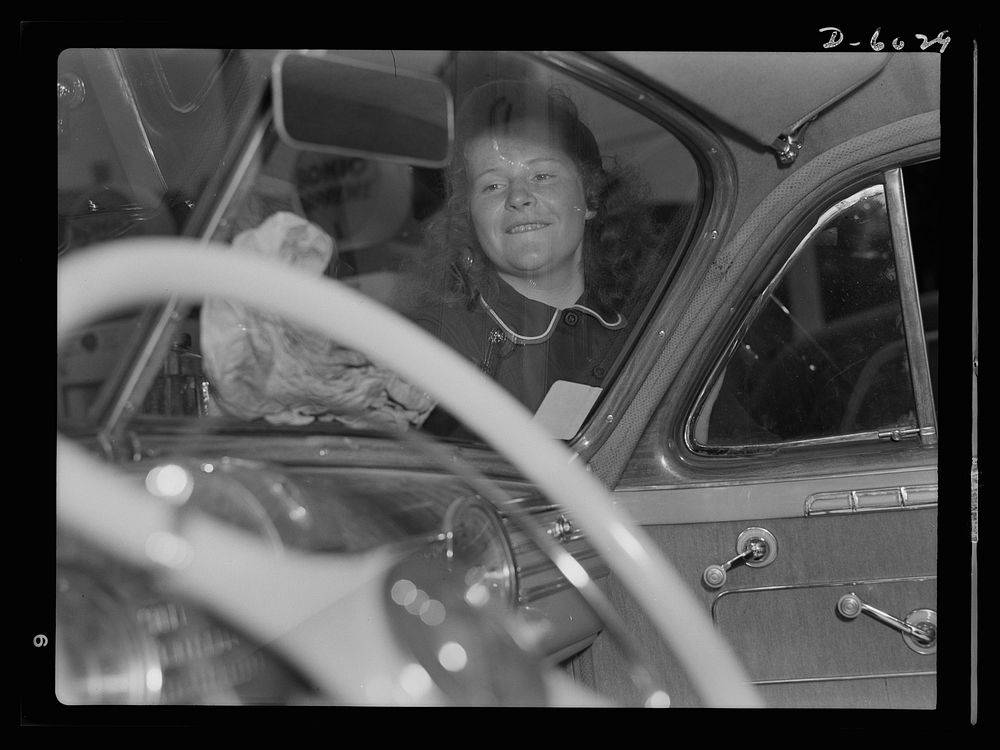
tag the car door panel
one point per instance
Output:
(770, 438)
(782, 619)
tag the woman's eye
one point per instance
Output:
(543, 176)
(492, 187)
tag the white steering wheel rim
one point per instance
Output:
(104, 279)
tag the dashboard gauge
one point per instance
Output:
(476, 543)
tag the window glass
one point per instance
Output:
(825, 354)
(556, 361)
(144, 154)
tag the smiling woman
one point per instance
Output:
(539, 256)
(529, 209)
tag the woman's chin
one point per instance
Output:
(527, 272)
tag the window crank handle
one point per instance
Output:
(919, 625)
(715, 575)
(755, 547)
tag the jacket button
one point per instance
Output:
(571, 317)
(599, 372)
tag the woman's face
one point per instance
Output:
(528, 207)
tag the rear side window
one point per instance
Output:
(825, 353)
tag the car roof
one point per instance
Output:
(760, 95)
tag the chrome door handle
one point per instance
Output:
(755, 547)
(919, 628)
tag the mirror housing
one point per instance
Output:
(342, 106)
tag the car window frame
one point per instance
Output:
(890, 178)
(711, 217)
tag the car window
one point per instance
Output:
(824, 353)
(361, 220)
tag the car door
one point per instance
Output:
(790, 470)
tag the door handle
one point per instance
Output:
(755, 547)
(919, 628)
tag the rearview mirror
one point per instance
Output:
(342, 106)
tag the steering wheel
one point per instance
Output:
(224, 568)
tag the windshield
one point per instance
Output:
(535, 251)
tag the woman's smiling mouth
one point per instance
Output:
(530, 227)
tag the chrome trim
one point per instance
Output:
(767, 448)
(791, 141)
(527, 546)
(745, 481)
(909, 298)
(545, 566)
(565, 571)
(824, 584)
(918, 628)
(844, 678)
(755, 548)
(531, 594)
(537, 544)
(852, 501)
(904, 433)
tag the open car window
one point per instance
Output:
(354, 218)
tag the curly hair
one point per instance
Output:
(621, 242)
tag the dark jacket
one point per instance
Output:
(526, 345)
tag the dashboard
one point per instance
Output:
(125, 638)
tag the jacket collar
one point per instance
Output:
(528, 321)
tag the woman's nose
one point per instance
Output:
(519, 194)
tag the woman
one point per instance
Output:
(538, 260)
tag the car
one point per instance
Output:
(254, 506)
